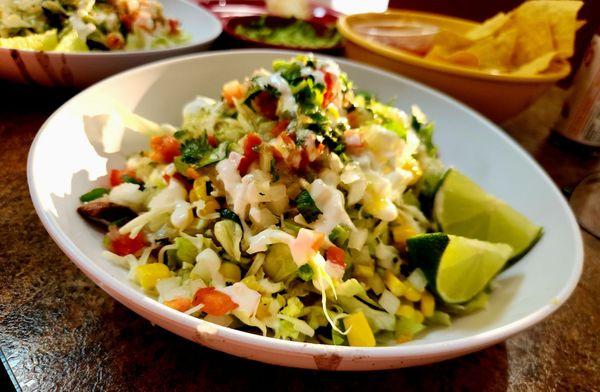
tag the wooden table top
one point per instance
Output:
(60, 331)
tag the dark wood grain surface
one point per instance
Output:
(60, 331)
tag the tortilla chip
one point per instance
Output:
(495, 53)
(564, 24)
(528, 40)
(534, 34)
(461, 57)
(488, 28)
(451, 40)
(537, 65)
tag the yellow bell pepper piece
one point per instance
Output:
(406, 311)
(376, 284)
(394, 284)
(411, 293)
(148, 274)
(364, 271)
(359, 331)
(427, 304)
(418, 317)
(402, 233)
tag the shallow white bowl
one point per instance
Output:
(63, 164)
(83, 69)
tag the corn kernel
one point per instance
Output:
(376, 284)
(418, 317)
(427, 304)
(231, 272)
(198, 191)
(394, 284)
(412, 165)
(402, 233)
(403, 338)
(359, 331)
(148, 274)
(406, 311)
(364, 271)
(412, 294)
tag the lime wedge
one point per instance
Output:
(71, 43)
(458, 268)
(46, 41)
(462, 208)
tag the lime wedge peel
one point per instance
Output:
(463, 208)
(459, 268)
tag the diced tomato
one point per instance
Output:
(265, 104)
(279, 127)
(164, 148)
(123, 245)
(115, 41)
(253, 140)
(181, 304)
(287, 138)
(167, 178)
(215, 302)
(212, 140)
(116, 176)
(330, 86)
(335, 255)
(127, 20)
(251, 143)
(173, 26)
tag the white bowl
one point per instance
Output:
(83, 69)
(63, 164)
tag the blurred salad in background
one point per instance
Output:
(84, 25)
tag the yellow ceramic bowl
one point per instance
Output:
(496, 95)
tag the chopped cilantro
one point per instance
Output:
(194, 149)
(199, 153)
(215, 155)
(307, 207)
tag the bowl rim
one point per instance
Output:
(230, 24)
(130, 297)
(348, 33)
(116, 53)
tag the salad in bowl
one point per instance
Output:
(301, 208)
(84, 25)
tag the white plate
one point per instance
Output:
(63, 165)
(83, 69)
